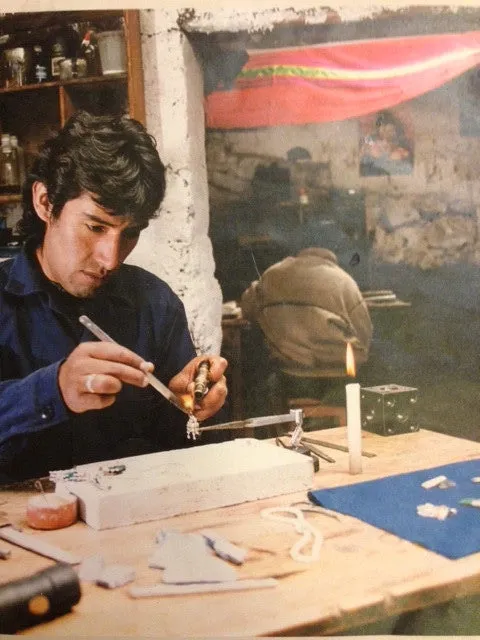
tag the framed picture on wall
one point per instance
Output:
(386, 146)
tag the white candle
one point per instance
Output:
(354, 428)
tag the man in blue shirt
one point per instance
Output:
(66, 398)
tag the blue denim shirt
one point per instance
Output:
(39, 328)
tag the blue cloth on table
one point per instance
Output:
(391, 504)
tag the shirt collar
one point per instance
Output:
(26, 278)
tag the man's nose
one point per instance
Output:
(108, 252)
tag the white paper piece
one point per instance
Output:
(198, 568)
(115, 575)
(182, 589)
(223, 548)
(172, 545)
(433, 482)
(91, 568)
(438, 511)
(187, 558)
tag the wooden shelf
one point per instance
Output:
(113, 77)
(34, 112)
(18, 22)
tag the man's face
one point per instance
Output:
(85, 245)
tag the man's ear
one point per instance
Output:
(40, 201)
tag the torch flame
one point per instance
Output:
(187, 401)
(350, 361)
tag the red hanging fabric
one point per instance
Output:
(338, 81)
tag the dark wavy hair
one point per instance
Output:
(113, 158)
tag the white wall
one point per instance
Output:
(176, 246)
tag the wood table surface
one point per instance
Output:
(363, 574)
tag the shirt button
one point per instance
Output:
(47, 412)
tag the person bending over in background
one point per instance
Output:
(308, 309)
(66, 398)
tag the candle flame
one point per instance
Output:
(350, 361)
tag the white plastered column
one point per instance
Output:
(176, 246)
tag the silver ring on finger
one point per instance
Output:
(89, 382)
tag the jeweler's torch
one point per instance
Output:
(201, 381)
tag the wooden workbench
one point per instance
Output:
(364, 574)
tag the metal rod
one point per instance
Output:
(250, 423)
(315, 450)
(331, 445)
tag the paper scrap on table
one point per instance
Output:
(94, 569)
(172, 544)
(223, 548)
(91, 568)
(183, 589)
(186, 558)
(433, 482)
(115, 575)
(438, 511)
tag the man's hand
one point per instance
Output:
(183, 383)
(94, 372)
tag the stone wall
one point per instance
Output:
(425, 219)
(425, 230)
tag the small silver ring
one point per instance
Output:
(89, 382)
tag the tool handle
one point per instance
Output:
(200, 387)
(152, 380)
(96, 330)
(43, 596)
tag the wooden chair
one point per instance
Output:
(325, 411)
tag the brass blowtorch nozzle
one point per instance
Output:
(201, 380)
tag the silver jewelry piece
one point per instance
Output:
(192, 427)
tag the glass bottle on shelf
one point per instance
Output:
(38, 68)
(65, 43)
(89, 51)
(8, 167)
(20, 159)
(58, 53)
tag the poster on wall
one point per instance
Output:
(386, 144)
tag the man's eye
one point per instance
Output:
(96, 228)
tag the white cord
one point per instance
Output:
(310, 535)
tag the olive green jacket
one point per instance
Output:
(309, 308)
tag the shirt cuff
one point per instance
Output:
(50, 409)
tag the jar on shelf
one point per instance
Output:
(38, 71)
(64, 43)
(72, 68)
(14, 67)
